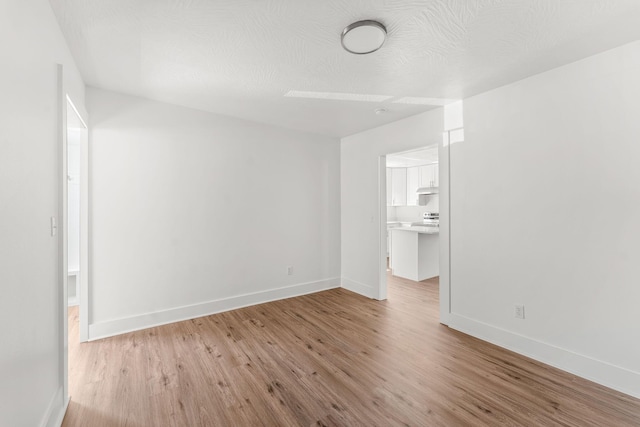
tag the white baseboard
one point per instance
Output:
(135, 323)
(359, 288)
(600, 372)
(62, 413)
(56, 410)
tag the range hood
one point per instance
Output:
(427, 191)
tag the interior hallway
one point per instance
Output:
(329, 359)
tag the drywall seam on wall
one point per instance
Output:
(134, 323)
(603, 373)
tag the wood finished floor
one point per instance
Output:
(329, 359)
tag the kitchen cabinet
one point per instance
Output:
(398, 186)
(390, 226)
(436, 175)
(428, 175)
(388, 242)
(414, 255)
(403, 183)
(413, 183)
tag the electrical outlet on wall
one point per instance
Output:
(519, 311)
(289, 270)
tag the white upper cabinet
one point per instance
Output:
(435, 169)
(429, 175)
(403, 183)
(436, 175)
(408, 171)
(424, 176)
(398, 186)
(413, 183)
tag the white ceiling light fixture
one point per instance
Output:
(380, 111)
(363, 37)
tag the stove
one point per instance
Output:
(429, 219)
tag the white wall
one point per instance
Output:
(360, 210)
(391, 213)
(193, 213)
(31, 389)
(545, 212)
(414, 213)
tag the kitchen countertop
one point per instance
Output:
(399, 223)
(418, 229)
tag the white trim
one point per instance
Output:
(71, 302)
(62, 413)
(46, 417)
(600, 372)
(359, 288)
(83, 278)
(63, 264)
(444, 157)
(76, 111)
(82, 285)
(382, 229)
(56, 410)
(134, 323)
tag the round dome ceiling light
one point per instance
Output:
(363, 37)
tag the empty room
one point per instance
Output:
(319, 213)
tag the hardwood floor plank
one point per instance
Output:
(332, 358)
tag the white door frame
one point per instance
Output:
(63, 102)
(61, 230)
(83, 276)
(382, 228)
(445, 224)
(444, 165)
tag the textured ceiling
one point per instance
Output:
(239, 57)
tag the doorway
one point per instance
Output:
(412, 212)
(76, 221)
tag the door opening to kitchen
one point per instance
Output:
(77, 224)
(413, 221)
